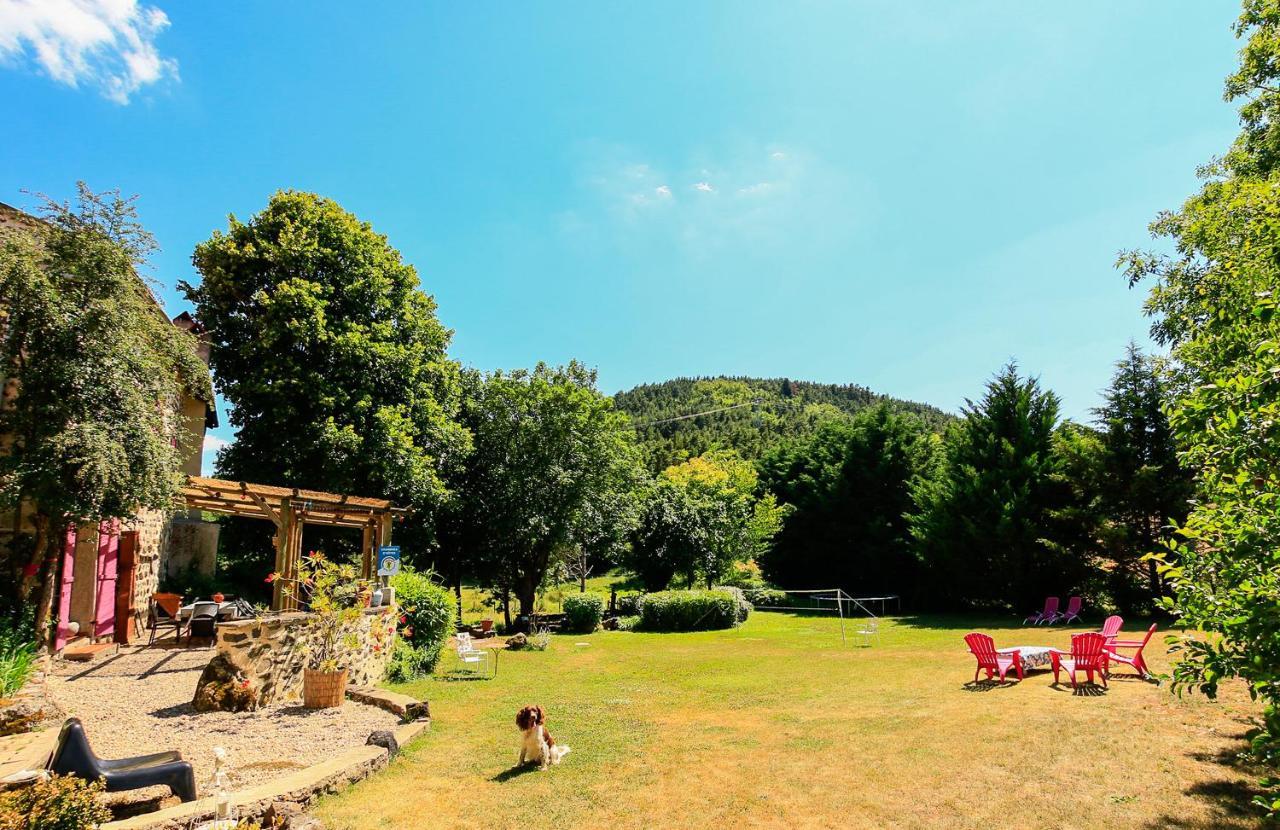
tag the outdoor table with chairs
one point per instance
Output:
(1092, 652)
(198, 619)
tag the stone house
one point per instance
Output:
(109, 571)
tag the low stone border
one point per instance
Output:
(302, 787)
(408, 708)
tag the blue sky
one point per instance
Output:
(899, 195)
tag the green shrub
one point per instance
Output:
(583, 612)
(427, 612)
(766, 596)
(60, 803)
(628, 605)
(626, 623)
(17, 654)
(688, 611)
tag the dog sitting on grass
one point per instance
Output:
(536, 743)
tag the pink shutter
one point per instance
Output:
(104, 621)
(63, 632)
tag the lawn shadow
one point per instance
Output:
(1081, 690)
(988, 685)
(514, 772)
(1230, 800)
(460, 676)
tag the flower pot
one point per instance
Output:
(323, 689)
(486, 626)
(218, 597)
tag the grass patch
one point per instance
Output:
(777, 724)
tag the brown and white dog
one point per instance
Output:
(536, 743)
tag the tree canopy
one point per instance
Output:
(99, 369)
(551, 460)
(330, 355)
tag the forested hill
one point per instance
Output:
(787, 409)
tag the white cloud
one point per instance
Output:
(704, 187)
(757, 189)
(213, 443)
(777, 155)
(663, 191)
(108, 44)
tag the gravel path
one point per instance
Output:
(140, 702)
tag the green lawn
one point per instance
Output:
(549, 600)
(777, 724)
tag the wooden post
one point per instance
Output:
(294, 554)
(284, 534)
(366, 544)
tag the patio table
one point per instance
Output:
(226, 611)
(1033, 657)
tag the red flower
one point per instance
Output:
(271, 577)
(403, 619)
(244, 684)
(31, 569)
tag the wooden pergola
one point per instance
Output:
(290, 509)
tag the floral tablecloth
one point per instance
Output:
(1033, 657)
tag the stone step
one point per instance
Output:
(83, 653)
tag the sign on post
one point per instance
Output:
(388, 560)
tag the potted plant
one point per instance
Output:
(333, 599)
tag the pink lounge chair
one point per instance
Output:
(1088, 654)
(1072, 614)
(995, 663)
(1111, 627)
(1050, 611)
(1137, 661)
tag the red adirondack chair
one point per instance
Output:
(1111, 627)
(1137, 661)
(995, 663)
(1050, 611)
(1088, 654)
(1072, 614)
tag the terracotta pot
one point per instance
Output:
(323, 689)
(218, 597)
(486, 626)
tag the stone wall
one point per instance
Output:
(271, 652)
(193, 544)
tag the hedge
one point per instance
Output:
(689, 610)
(427, 612)
(766, 596)
(628, 605)
(583, 612)
(744, 607)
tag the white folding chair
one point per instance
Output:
(870, 630)
(475, 659)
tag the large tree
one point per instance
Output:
(1143, 489)
(330, 355)
(1214, 303)
(551, 456)
(97, 369)
(849, 487)
(987, 523)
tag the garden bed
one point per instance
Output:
(140, 702)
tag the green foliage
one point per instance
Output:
(100, 371)
(333, 595)
(59, 803)
(191, 582)
(583, 612)
(742, 606)
(1214, 304)
(688, 611)
(700, 519)
(330, 356)
(766, 597)
(628, 605)
(627, 623)
(990, 522)
(848, 487)
(427, 611)
(781, 410)
(552, 463)
(17, 653)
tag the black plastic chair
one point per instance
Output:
(203, 622)
(74, 756)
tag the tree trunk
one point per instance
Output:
(506, 607)
(50, 580)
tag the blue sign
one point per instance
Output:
(388, 560)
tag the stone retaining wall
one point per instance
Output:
(271, 653)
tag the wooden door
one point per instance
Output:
(125, 611)
(104, 607)
(63, 632)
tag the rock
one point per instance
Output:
(517, 641)
(223, 687)
(384, 739)
(306, 823)
(29, 707)
(282, 814)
